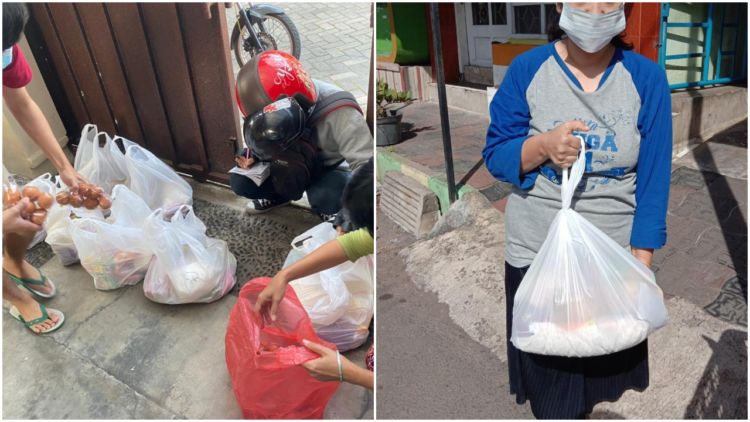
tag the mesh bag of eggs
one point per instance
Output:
(58, 225)
(39, 192)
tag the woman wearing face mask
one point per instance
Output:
(584, 82)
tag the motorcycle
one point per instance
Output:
(262, 27)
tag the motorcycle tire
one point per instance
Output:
(237, 45)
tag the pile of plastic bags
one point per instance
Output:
(584, 295)
(339, 300)
(149, 232)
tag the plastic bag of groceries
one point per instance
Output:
(58, 226)
(115, 252)
(99, 159)
(339, 300)
(264, 358)
(188, 266)
(584, 295)
(156, 182)
(45, 183)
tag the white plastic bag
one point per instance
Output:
(154, 181)
(584, 295)
(115, 252)
(339, 300)
(58, 226)
(188, 266)
(99, 160)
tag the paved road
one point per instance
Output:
(428, 367)
(336, 42)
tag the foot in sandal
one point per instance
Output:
(36, 316)
(30, 278)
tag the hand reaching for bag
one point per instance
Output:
(326, 367)
(269, 299)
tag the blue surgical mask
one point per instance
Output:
(591, 32)
(7, 57)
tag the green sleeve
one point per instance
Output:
(357, 244)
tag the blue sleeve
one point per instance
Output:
(654, 168)
(509, 126)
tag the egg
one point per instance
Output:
(29, 209)
(39, 216)
(76, 200)
(31, 192)
(7, 198)
(84, 190)
(45, 200)
(105, 202)
(90, 203)
(63, 198)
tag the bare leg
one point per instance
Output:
(14, 262)
(26, 305)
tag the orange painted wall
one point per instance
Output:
(643, 28)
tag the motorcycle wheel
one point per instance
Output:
(279, 28)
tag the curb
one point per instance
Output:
(437, 183)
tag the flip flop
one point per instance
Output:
(45, 316)
(25, 282)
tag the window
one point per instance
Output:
(480, 14)
(499, 14)
(531, 19)
(527, 19)
(550, 15)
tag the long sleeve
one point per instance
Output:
(654, 163)
(509, 129)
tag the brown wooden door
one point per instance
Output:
(158, 74)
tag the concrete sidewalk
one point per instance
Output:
(698, 362)
(121, 356)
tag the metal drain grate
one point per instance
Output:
(409, 204)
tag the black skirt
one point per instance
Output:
(568, 388)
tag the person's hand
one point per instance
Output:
(325, 368)
(340, 231)
(243, 162)
(271, 296)
(561, 146)
(72, 178)
(643, 255)
(13, 221)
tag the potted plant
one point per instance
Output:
(389, 102)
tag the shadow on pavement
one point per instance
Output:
(716, 396)
(409, 131)
(733, 224)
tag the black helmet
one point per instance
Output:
(274, 128)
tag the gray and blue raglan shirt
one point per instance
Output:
(625, 189)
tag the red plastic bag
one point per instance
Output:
(264, 358)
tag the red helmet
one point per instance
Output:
(272, 75)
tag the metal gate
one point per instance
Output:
(158, 74)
